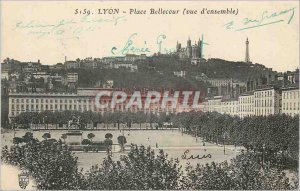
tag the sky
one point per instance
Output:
(50, 30)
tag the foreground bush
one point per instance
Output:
(141, 169)
(49, 163)
(54, 167)
(243, 173)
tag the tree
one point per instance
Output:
(122, 141)
(151, 118)
(108, 142)
(140, 170)
(86, 142)
(243, 173)
(117, 117)
(64, 137)
(17, 140)
(28, 137)
(50, 164)
(91, 136)
(46, 136)
(108, 136)
(140, 118)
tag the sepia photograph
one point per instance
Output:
(149, 95)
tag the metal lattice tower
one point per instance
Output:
(247, 57)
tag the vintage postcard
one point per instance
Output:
(149, 95)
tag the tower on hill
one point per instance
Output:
(247, 57)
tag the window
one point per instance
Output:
(13, 100)
(294, 105)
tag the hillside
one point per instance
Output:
(157, 72)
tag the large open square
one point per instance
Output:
(173, 142)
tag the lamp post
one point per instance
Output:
(14, 128)
(224, 143)
(224, 137)
(44, 121)
(263, 154)
(196, 134)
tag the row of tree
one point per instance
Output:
(59, 118)
(53, 167)
(274, 137)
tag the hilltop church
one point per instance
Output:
(193, 52)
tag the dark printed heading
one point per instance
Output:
(158, 11)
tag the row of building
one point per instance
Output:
(261, 102)
(126, 61)
(39, 81)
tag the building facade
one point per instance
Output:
(246, 105)
(84, 100)
(214, 104)
(230, 107)
(290, 101)
(267, 102)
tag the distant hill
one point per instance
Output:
(218, 68)
(158, 72)
(213, 68)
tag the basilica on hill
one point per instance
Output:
(193, 52)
